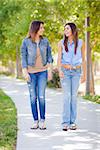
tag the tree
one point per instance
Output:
(15, 16)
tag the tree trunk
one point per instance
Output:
(91, 78)
(18, 64)
(89, 71)
(11, 67)
(87, 38)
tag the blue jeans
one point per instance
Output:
(70, 84)
(37, 86)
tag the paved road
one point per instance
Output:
(86, 137)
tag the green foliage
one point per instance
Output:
(16, 15)
(8, 9)
(8, 122)
(95, 98)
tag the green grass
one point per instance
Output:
(95, 98)
(5, 73)
(8, 123)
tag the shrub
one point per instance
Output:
(55, 82)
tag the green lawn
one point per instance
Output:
(8, 123)
(95, 98)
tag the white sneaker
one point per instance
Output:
(35, 125)
(42, 125)
(73, 126)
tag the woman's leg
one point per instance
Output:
(66, 86)
(75, 85)
(42, 82)
(33, 95)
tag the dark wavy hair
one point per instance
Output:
(34, 27)
(75, 35)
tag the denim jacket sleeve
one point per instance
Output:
(49, 53)
(24, 54)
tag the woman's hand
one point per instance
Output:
(61, 74)
(49, 75)
(83, 78)
(26, 75)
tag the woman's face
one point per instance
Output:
(67, 31)
(41, 30)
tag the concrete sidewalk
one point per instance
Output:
(86, 137)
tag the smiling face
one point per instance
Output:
(41, 30)
(36, 28)
(67, 31)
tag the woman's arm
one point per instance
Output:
(49, 53)
(24, 60)
(59, 60)
(49, 61)
(50, 68)
(59, 56)
(23, 50)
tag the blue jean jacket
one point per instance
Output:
(28, 52)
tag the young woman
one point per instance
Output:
(71, 58)
(37, 66)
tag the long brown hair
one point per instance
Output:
(33, 28)
(75, 35)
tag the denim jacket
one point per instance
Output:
(28, 52)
